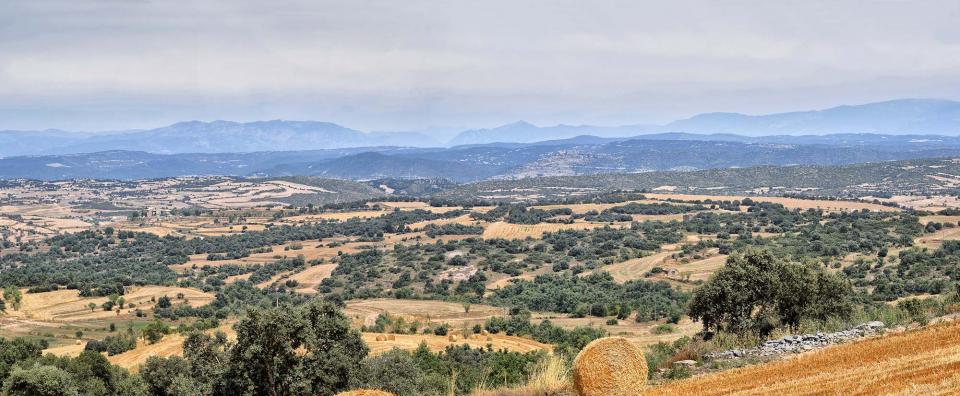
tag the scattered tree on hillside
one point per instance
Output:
(759, 292)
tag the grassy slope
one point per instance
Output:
(924, 361)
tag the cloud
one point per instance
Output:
(388, 65)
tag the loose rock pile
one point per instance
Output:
(802, 343)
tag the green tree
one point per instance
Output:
(40, 380)
(208, 357)
(395, 372)
(759, 292)
(12, 295)
(15, 350)
(160, 373)
(155, 331)
(291, 351)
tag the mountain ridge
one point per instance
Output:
(920, 117)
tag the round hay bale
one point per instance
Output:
(485, 333)
(380, 337)
(452, 338)
(391, 337)
(365, 392)
(610, 366)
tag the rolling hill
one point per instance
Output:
(463, 164)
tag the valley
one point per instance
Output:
(411, 272)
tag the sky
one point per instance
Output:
(402, 65)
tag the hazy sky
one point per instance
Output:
(91, 65)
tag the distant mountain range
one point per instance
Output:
(209, 137)
(582, 155)
(897, 117)
(905, 116)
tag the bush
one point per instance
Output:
(663, 329)
(40, 381)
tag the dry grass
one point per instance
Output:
(520, 231)
(365, 392)
(699, 269)
(465, 219)
(634, 269)
(934, 240)
(550, 378)
(922, 202)
(364, 312)
(599, 207)
(641, 334)
(170, 345)
(924, 361)
(504, 282)
(417, 205)
(72, 350)
(68, 306)
(311, 249)
(787, 202)
(310, 278)
(438, 343)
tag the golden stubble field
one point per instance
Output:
(506, 230)
(365, 312)
(925, 361)
(793, 203)
(67, 305)
(438, 343)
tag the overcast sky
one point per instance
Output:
(391, 65)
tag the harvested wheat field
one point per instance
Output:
(919, 362)
(310, 278)
(698, 269)
(68, 306)
(465, 219)
(641, 334)
(793, 203)
(170, 345)
(417, 205)
(504, 282)
(599, 207)
(364, 312)
(72, 350)
(634, 269)
(924, 202)
(310, 249)
(934, 240)
(505, 230)
(341, 216)
(439, 343)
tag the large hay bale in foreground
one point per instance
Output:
(365, 392)
(452, 338)
(610, 366)
(381, 338)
